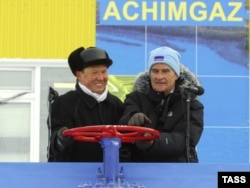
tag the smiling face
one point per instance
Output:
(162, 78)
(95, 78)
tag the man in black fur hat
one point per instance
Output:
(89, 104)
(160, 101)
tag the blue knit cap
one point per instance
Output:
(165, 55)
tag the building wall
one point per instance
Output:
(44, 28)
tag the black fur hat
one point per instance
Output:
(81, 58)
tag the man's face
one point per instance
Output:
(95, 78)
(162, 78)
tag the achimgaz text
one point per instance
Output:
(158, 12)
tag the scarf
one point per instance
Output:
(98, 97)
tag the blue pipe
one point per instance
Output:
(111, 148)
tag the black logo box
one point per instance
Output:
(234, 179)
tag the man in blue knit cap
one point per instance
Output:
(164, 63)
(158, 102)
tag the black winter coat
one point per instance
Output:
(169, 116)
(77, 109)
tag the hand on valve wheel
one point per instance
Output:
(63, 141)
(139, 119)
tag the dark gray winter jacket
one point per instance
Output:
(77, 109)
(178, 138)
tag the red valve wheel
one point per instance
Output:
(126, 133)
